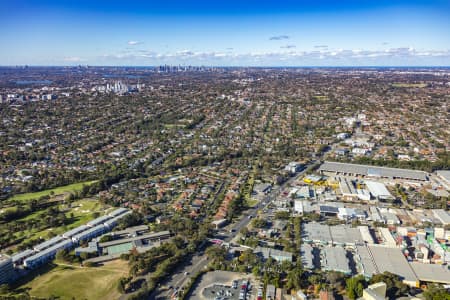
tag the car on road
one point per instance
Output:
(234, 284)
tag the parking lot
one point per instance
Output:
(221, 291)
(223, 285)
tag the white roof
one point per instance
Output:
(377, 189)
(444, 174)
(442, 215)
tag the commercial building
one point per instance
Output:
(18, 258)
(431, 272)
(46, 251)
(46, 255)
(342, 235)
(350, 192)
(371, 171)
(7, 273)
(219, 223)
(444, 175)
(392, 260)
(387, 237)
(98, 221)
(150, 237)
(345, 235)
(90, 233)
(303, 206)
(364, 262)
(335, 259)
(442, 215)
(376, 291)
(278, 255)
(316, 233)
(47, 244)
(92, 248)
(113, 222)
(307, 256)
(75, 231)
(294, 167)
(378, 190)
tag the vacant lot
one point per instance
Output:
(79, 283)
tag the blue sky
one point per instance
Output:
(247, 33)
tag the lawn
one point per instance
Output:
(56, 191)
(409, 85)
(251, 202)
(82, 210)
(80, 283)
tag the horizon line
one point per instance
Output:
(225, 66)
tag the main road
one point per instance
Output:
(198, 261)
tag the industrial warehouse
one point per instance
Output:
(371, 171)
(332, 248)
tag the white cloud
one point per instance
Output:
(134, 43)
(322, 55)
(279, 37)
(73, 59)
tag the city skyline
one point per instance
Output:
(292, 33)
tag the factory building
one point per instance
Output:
(371, 171)
(335, 259)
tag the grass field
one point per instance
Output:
(79, 283)
(251, 202)
(57, 191)
(82, 210)
(409, 85)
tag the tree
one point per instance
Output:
(294, 278)
(355, 286)
(436, 292)
(395, 287)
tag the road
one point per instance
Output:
(197, 262)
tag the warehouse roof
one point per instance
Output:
(366, 170)
(378, 190)
(307, 256)
(431, 272)
(444, 174)
(335, 258)
(442, 215)
(317, 232)
(342, 234)
(365, 262)
(392, 260)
